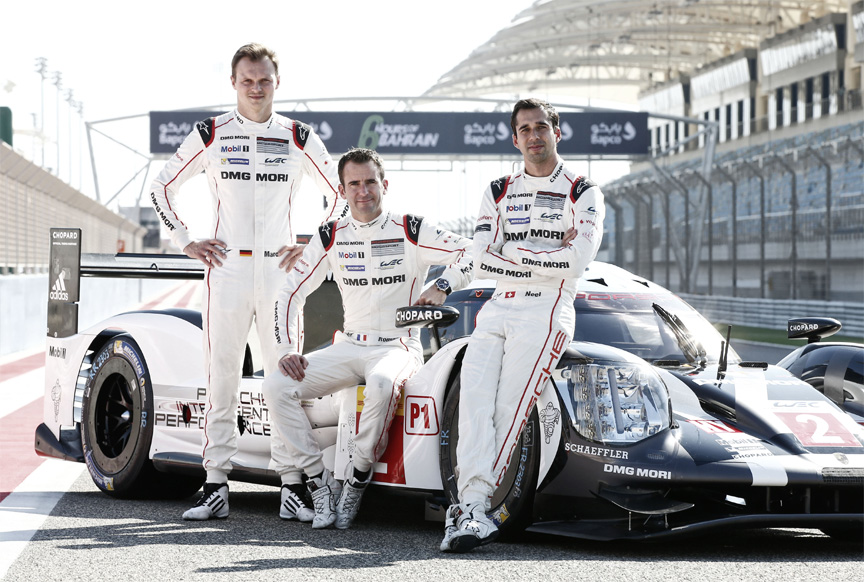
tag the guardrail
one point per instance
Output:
(775, 313)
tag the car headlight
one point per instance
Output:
(617, 402)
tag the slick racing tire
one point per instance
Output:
(117, 426)
(512, 504)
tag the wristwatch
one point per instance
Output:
(443, 285)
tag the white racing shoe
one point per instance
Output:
(294, 505)
(325, 492)
(453, 513)
(473, 529)
(349, 501)
(213, 503)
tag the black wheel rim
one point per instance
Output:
(114, 415)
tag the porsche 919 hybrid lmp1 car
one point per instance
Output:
(651, 425)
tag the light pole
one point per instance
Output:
(42, 69)
(58, 82)
(71, 103)
(80, 109)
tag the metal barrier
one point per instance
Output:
(774, 313)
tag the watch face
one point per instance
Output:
(442, 284)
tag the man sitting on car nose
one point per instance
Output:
(379, 260)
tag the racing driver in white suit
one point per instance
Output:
(254, 160)
(379, 261)
(536, 232)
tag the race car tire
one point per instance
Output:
(512, 504)
(117, 426)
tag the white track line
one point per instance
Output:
(24, 511)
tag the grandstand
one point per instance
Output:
(754, 186)
(766, 229)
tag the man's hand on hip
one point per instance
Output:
(208, 251)
(293, 365)
(291, 255)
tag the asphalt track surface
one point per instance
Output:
(92, 536)
(55, 525)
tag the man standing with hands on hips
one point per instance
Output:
(254, 160)
(536, 233)
(380, 260)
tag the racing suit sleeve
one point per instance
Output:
(186, 163)
(318, 164)
(586, 216)
(436, 246)
(306, 276)
(488, 242)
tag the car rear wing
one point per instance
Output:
(68, 265)
(140, 266)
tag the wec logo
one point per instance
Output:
(390, 264)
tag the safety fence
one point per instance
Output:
(774, 314)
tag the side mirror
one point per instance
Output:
(812, 328)
(434, 316)
(426, 316)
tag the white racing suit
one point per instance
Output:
(254, 172)
(524, 328)
(379, 267)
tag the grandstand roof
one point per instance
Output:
(575, 46)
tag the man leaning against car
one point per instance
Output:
(536, 232)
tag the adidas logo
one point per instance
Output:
(58, 291)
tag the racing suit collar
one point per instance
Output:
(368, 228)
(533, 182)
(250, 126)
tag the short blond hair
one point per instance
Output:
(254, 52)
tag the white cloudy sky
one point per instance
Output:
(124, 59)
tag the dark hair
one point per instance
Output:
(254, 52)
(534, 104)
(361, 156)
